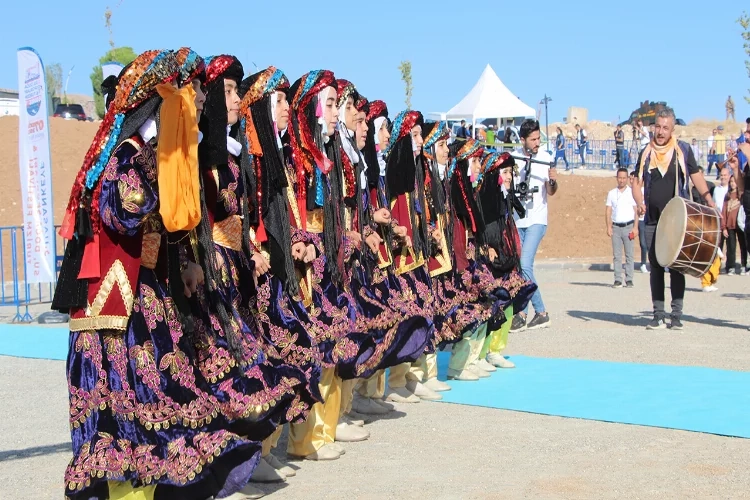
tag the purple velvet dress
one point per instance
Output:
(266, 393)
(139, 410)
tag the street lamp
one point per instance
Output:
(66, 84)
(546, 116)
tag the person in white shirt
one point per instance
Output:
(643, 135)
(619, 218)
(582, 142)
(534, 224)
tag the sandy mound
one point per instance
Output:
(576, 212)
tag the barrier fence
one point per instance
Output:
(601, 154)
(16, 291)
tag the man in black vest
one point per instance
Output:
(667, 166)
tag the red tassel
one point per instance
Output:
(260, 233)
(91, 264)
(68, 225)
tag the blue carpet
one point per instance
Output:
(675, 397)
(31, 341)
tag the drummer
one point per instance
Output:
(665, 168)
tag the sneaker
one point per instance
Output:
(618, 284)
(518, 324)
(539, 321)
(709, 288)
(743, 272)
(657, 324)
(644, 269)
(628, 284)
(676, 324)
(731, 272)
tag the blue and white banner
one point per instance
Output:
(34, 165)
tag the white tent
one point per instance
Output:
(490, 98)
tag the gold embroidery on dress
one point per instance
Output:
(150, 250)
(93, 321)
(228, 233)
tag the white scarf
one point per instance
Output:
(233, 146)
(441, 171)
(148, 130)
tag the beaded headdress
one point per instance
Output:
(462, 194)
(192, 65)
(402, 125)
(135, 86)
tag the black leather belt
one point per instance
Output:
(622, 224)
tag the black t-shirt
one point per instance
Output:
(662, 188)
(619, 137)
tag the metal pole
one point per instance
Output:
(66, 83)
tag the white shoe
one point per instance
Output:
(279, 465)
(644, 269)
(265, 473)
(464, 375)
(473, 368)
(436, 385)
(402, 395)
(709, 289)
(347, 433)
(246, 493)
(484, 365)
(325, 453)
(422, 392)
(351, 420)
(500, 361)
(337, 448)
(367, 406)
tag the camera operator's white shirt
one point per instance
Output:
(536, 205)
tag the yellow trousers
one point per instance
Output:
(397, 375)
(467, 350)
(424, 368)
(712, 275)
(271, 442)
(373, 387)
(347, 395)
(497, 341)
(320, 426)
(125, 491)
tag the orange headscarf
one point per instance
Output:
(177, 172)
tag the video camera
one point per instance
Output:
(523, 190)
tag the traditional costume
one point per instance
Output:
(393, 327)
(498, 205)
(317, 216)
(404, 183)
(144, 422)
(467, 234)
(280, 315)
(266, 392)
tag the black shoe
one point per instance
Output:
(628, 284)
(618, 284)
(676, 324)
(656, 324)
(518, 324)
(539, 321)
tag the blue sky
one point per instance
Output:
(606, 58)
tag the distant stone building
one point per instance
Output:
(578, 115)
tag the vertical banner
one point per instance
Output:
(111, 68)
(34, 165)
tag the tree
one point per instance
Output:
(122, 55)
(53, 76)
(744, 21)
(405, 69)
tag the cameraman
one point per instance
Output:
(542, 182)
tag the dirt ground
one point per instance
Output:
(575, 226)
